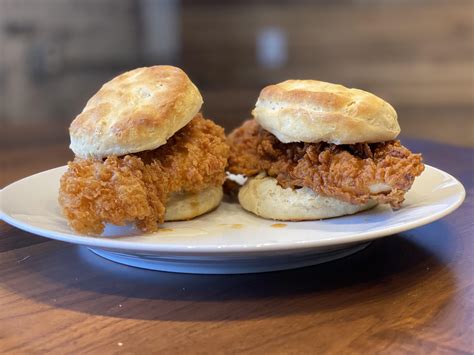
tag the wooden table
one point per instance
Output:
(412, 292)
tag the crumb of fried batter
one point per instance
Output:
(345, 172)
(135, 188)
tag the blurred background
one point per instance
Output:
(417, 54)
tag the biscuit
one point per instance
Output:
(313, 111)
(136, 111)
(262, 196)
(183, 206)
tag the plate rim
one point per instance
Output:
(106, 243)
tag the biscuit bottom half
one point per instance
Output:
(263, 196)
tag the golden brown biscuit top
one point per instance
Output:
(315, 111)
(137, 110)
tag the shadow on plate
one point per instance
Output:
(389, 275)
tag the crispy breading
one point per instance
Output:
(356, 173)
(135, 188)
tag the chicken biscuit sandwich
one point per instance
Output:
(318, 150)
(143, 154)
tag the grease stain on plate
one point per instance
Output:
(232, 225)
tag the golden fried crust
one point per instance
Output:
(136, 111)
(135, 188)
(314, 111)
(358, 173)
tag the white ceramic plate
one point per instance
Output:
(230, 240)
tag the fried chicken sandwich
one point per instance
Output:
(143, 154)
(317, 150)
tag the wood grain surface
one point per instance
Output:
(407, 293)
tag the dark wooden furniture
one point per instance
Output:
(416, 54)
(411, 292)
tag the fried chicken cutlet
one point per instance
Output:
(355, 173)
(135, 187)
